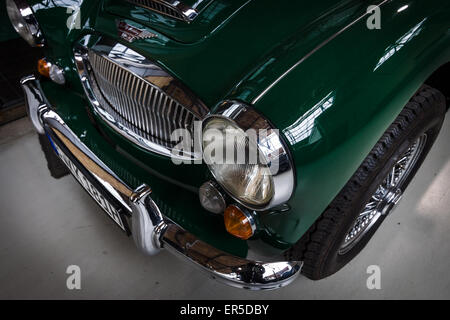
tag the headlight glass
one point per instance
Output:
(23, 28)
(234, 160)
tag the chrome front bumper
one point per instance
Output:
(150, 230)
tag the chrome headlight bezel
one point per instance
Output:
(30, 31)
(246, 117)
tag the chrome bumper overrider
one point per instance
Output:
(150, 230)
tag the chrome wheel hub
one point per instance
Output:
(386, 196)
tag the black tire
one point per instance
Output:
(321, 247)
(55, 165)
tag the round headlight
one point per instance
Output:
(24, 22)
(247, 157)
(224, 144)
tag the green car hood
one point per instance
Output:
(226, 43)
(230, 40)
(260, 20)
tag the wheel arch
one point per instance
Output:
(439, 80)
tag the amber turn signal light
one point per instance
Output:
(44, 67)
(238, 223)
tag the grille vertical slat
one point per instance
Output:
(144, 103)
(120, 97)
(133, 108)
(164, 119)
(130, 104)
(158, 113)
(127, 99)
(140, 107)
(117, 78)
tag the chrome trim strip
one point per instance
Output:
(274, 148)
(113, 77)
(172, 8)
(150, 229)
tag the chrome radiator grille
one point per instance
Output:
(137, 98)
(143, 108)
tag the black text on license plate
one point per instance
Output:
(91, 189)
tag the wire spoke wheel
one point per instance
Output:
(386, 196)
(352, 218)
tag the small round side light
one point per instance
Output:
(211, 198)
(57, 74)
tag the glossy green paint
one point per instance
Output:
(344, 97)
(335, 86)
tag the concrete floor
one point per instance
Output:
(47, 225)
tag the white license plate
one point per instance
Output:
(91, 189)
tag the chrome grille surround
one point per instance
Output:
(136, 97)
(172, 8)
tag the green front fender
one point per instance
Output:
(336, 103)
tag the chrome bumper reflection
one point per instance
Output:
(150, 230)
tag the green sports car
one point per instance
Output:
(257, 139)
